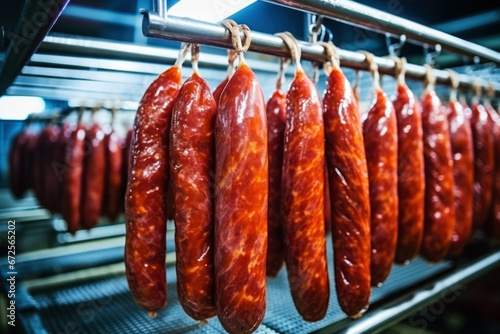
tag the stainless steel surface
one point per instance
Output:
(186, 30)
(357, 14)
(381, 318)
(36, 20)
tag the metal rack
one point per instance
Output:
(68, 67)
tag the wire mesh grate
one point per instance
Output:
(106, 305)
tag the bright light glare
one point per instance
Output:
(19, 107)
(208, 11)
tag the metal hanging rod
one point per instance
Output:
(191, 31)
(360, 15)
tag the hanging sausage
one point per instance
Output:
(145, 201)
(411, 177)
(349, 189)
(192, 158)
(381, 147)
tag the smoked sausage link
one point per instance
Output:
(276, 121)
(381, 147)
(218, 90)
(492, 226)
(482, 135)
(241, 194)
(192, 157)
(50, 151)
(349, 195)
(411, 177)
(72, 184)
(145, 202)
(439, 211)
(113, 177)
(303, 199)
(463, 174)
(93, 176)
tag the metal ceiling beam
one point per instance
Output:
(360, 15)
(36, 20)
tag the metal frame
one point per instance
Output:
(187, 30)
(360, 15)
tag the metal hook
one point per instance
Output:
(432, 56)
(315, 24)
(395, 48)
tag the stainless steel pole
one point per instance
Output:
(186, 30)
(357, 14)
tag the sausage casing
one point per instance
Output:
(72, 183)
(463, 174)
(492, 225)
(381, 147)
(276, 121)
(303, 199)
(484, 163)
(112, 198)
(192, 157)
(241, 194)
(145, 201)
(411, 177)
(93, 176)
(349, 189)
(439, 211)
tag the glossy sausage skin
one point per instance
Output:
(463, 174)
(349, 189)
(492, 225)
(411, 177)
(16, 163)
(49, 150)
(439, 212)
(192, 158)
(276, 121)
(113, 177)
(381, 147)
(484, 163)
(40, 160)
(145, 202)
(29, 160)
(218, 90)
(72, 178)
(126, 143)
(303, 199)
(94, 164)
(328, 205)
(241, 194)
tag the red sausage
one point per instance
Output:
(439, 214)
(192, 157)
(241, 194)
(145, 201)
(463, 174)
(350, 203)
(72, 178)
(58, 166)
(29, 160)
(40, 160)
(126, 143)
(49, 150)
(484, 163)
(276, 120)
(381, 147)
(411, 176)
(328, 209)
(492, 225)
(218, 90)
(93, 176)
(16, 163)
(112, 176)
(303, 199)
